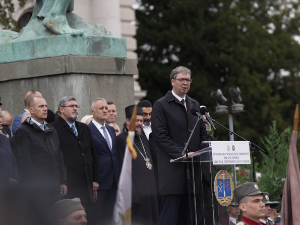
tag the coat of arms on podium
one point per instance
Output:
(223, 187)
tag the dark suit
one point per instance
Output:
(80, 159)
(171, 124)
(17, 122)
(109, 174)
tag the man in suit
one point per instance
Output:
(17, 121)
(79, 153)
(106, 146)
(171, 123)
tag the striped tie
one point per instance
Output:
(74, 130)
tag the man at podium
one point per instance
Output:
(171, 124)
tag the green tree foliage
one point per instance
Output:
(7, 9)
(274, 163)
(224, 43)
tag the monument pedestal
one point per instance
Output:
(84, 77)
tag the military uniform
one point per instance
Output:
(247, 189)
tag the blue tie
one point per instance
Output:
(182, 101)
(74, 130)
(106, 136)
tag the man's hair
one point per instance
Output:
(31, 102)
(244, 200)
(97, 99)
(30, 95)
(63, 101)
(145, 103)
(179, 69)
(110, 103)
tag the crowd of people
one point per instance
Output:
(56, 170)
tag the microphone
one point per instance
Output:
(204, 111)
(196, 113)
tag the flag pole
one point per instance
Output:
(296, 118)
(133, 119)
(127, 215)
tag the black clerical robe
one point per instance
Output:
(144, 194)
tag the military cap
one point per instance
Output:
(246, 189)
(274, 204)
(129, 111)
(266, 199)
(233, 202)
(65, 207)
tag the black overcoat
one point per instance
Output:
(39, 157)
(171, 124)
(80, 159)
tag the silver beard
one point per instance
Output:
(73, 118)
(138, 132)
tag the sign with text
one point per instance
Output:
(230, 152)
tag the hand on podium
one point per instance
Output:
(189, 155)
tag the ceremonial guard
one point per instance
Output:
(250, 200)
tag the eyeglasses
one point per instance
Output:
(182, 80)
(72, 106)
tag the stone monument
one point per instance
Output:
(58, 54)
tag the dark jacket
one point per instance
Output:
(171, 125)
(8, 166)
(39, 158)
(108, 160)
(80, 159)
(6, 130)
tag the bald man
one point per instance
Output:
(17, 121)
(7, 121)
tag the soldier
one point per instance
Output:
(233, 212)
(250, 200)
(269, 209)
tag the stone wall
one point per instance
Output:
(84, 77)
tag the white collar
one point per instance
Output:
(232, 220)
(98, 125)
(179, 98)
(37, 123)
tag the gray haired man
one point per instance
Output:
(79, 153)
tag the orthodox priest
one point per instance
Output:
(144, 193)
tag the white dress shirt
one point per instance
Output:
(147, 130)
(98, 125)
(179, 98)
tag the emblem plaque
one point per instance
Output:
(223, 187)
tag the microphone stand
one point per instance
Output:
(185, 151)
(252, 146)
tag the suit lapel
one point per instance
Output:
(189, 106)
(66, 126)
(79, 129)
(98, 134)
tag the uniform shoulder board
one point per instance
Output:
(240, 223)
